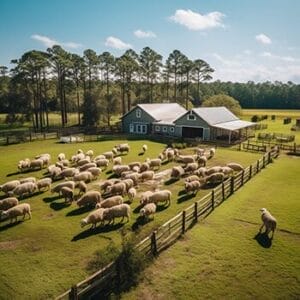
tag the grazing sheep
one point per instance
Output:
(123, 148)
(93, 218)
(9, 186)
(104, 185)
(235, 167)
(215, 178)
(121, 210)
(43, 154)
(192, 186)
(102, 163)
(46, 159)
(134, 164)
(85, 176)
(170, 154)
(161, 156)
(79, 151)
(131, 194)
(134, 177)
(145, 196)
(201, 172)
(154, 163)
(24, 165)
(36, 164)
(199, 151)
(144, 148)
(109, 155)
(63, 163)
(67, 193)
(147, 175)
(128, 182)
(81, 185)
(136, 169)
(89, 198)
(159, 196)
(18, 210)
(83, 161)
(114, 150)
(87, 166)
(148, 210)
(202, 160)
(28, 179)
(215, 169)
(144, 167)
(212, 152)
(227, 171)
(192, 178)
(117, 189)
(101, 156)
(44, 183)
(55, 173)
(22, 189)
(69, 172)
(117, 160)
(7, 203)
(57, 189)
(119, 169)
(90, 153)
(110, 202)
(76, 158)
(186, 159)
(61, 156)
(190, 168)
(177, 172)
(50, 168)
(268, 221)
(96, 172)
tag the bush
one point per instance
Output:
(255, 119)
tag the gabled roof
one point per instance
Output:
(234, 125)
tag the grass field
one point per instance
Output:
(223, 257)
(52, 248)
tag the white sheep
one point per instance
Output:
(28, 179)
(192, 178)
(102, 163)
(57, 189)
(147, 175)
(160, 196)
(18, 210)
(136, 169)
(7, 203)
(105, 184)
(186, 159)
(63, 163)
(119, 169)
(235, 166)
(117, 189)
(79, 151)
(144, 148)
(90, 153)
(215, 178)
(199, 151)
(84, 161)
(148, 210)
(135, 177)
(101, 156)
(24, 165)
(170, 154)
(93, 218)
(201, 172)
(23, 188)
(145, 196)
(9, 186)
(87, 166)
(89, 198)
(36, 164)
(81, 185)
(190, 168)
(44, 183)
(96, 172)
(123, 148)
(177, 172)
(192, 186)
(85, 176)
(109, 155)
(45, 158)
(110, 202)
(212, 152)
(154, 163)
(61, 156)
(129, 183)
(134, 164)
(55, 173)
(121, 210)
(144, 167)
(69, 172)
(67, 193)
(215, 169)
(43, 154)
(268, 221)
(227, 171)
(114, 150)
(131, 194)
(117, 160)
(202, 160)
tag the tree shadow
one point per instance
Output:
(170, 181)
(263, 239)
(185, 197)
(99, 229)
(59, 205)
(140, 221)
(78, 211)
(51, 199)
(10, 225)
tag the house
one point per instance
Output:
(171, 119)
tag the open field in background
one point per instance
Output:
(224, 258)
(52, 247)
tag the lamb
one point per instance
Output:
(18, 210)
(81, 185)
(119, 169)
(177, 172)
(93, 218)
(128, 182)
(87, 166)
(50, 168)
(235, 167)
(96, 172)
(117, 160)
(215, 178)
(192, 186)
(9, 186)
(123, 148)
(44, 183)
(148, 210)
(121, 210)
(159, 196)
(144, 148)
(69, 172)
(84, 161)
(90, 153)
(117, 189)
(61, 156)
(147, 175)
(202, 160)
(89, 198)
(110, 202)
(109, 155)
(45, 158)
(215, 169)
(23, 188)
(24, 164)
(67, 193)
(7, 203)
(192, 178)
(154, 163)
(131, 194)
(102, 163)
(36, 164)
(186, 159)
(144, 167)
(28, 179)
(134, 164)
(57, 189)
(85, 176)
(190, 168)
(268, 221)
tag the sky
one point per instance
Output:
(242, 40)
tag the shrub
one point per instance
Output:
(255, 119)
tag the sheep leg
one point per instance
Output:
(262, 226)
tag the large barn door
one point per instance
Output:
(192, 132)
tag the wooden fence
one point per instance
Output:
(170, 231)
(291, 147)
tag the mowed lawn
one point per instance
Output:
(223, 258)
(44, 256)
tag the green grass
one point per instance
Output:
(52, 248)
(220, 257)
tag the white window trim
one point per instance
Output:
(131, 128)
(165, 129)
(189, 117)
(157, 128)
(138, 113)
(172, 129)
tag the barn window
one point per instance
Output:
(138, 113)
(191, 117)
(131, 128)
(172, 129)
(157, 128)
(165, 129)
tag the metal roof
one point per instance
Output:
(215, 115)
(234, 125)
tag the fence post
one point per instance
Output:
(231, 185)
(183, 223)
(269, 157)
(250, 172)
(213, 199)
(264, 161)
(153, 243)
(196, 211)
(30, 136)
(223, 191)
(295, 147)
(7, 140)
(73, 295)
(242, 178)
(257, 166)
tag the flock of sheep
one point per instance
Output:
(108, 200)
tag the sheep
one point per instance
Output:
(57, 189)
(110, 202)
(131, 194)
(192, 186)
(117, 189)
(215, 169)
(104, 185)
(133, 176)
(55, 173)
(9, 186)
(123, 148)
(215, 178)
(7, 203)
(77, 157)
(148, 210)
(192, 178)
(44, 183)
(85, 176)
(235, 167)
(63, 163)
(89, 198)
(61, 156)
(186, 159)
(95, 171)
(144, 167)
(202, 160)
(45, 158)
(154, 163)
(101, 156)
(24, 165)
(145, 196)
(67, 193)
(109, 155)
(121, 210)
(144, 148)
(268, 221)
(199, 151)
(87, 166)
(81, 185)
(134, 164)
(119, 169)
(212, 152)
(79, 151)
(43, 154)
(69, 172)
(117, 160)
(114, 150)
(36, 164)
(102, 163)
(147, 175)
(227, 171)
(89, 153)
(84, 161)
(128, 182)
(190, 168)
(201, 172)
(23, 188)
(177, 172)
(161, 156)
(170, 155)
(50, 168)
(93, 218)
(28, 179)
(136, 169)
(18, 210)
(159, 196)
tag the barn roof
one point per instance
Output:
(234, 125)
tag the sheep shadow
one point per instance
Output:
(108, 172)
(185, 197)
(165, 162)
(78, 211)
(9, 225)
(263, 239)
(160, 208)
(51, 199)
(170, 181)
(137, 209)
(181, 192)
(140, 221)
(59, 205)
(99, 229)
(112, 176)
(141, 153)
(16, 173)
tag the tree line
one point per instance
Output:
(102, 85)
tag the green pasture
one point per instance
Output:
(44, 256)
(223, 257)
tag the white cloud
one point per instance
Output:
(144, 34)
(195, 21)
(116, 43)
(247, 52)
(278, 57)
(48, 42)
(262, 38)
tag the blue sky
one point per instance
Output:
(241, 39)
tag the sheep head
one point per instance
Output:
(83, 223)
(142, 212)
(263, 210)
